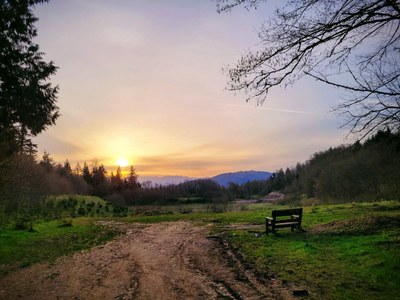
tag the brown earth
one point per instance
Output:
(158, 261)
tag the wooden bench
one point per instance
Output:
(284, 218)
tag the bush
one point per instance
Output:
(81, 211)
(66, 220)
(23, 222)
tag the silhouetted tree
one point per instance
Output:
(234, 189)
(99, 179)
(27, 99)
(47, 162)
(67, 168)
(132, 179)
(350, 44)
(78, 169)
(116, 181)
(87, 176)
(64, 170)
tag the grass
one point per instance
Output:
(47, 242)
(256, 213)
(331, 267)
(350, 251)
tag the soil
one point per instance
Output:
(157, 261)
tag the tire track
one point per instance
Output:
(157, 261)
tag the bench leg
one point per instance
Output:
(298, 227)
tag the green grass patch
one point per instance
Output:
(332, 267)
(348, 252)
(47, 241)
(255, 213)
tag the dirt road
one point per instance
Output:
(158, 261)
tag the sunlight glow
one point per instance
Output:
(189, 125)
(122, 162)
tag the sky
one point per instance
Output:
(143, 81)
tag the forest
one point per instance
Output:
(365, 171)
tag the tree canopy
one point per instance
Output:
(350, 44)
(27, 98)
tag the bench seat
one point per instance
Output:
(282, 218)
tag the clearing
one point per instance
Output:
(173, 260)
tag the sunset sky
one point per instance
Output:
(143, 81)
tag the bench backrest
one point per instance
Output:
(287, 212)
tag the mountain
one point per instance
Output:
(240, 177)
(164, 180)
(222, 179)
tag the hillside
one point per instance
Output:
(223, 179)
(360, 172)
(164, 180)
(240, 177)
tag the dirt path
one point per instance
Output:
(158, 261)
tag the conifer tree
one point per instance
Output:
(27, 98)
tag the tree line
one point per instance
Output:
(365, 171)
(360, 172)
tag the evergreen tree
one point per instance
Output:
(131, 180)
(78, 169)
(64, 170)
(116, 180)
(47, 162)
(87, 176)
(99, 179)
(27, 99)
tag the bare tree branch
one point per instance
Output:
(358, 40)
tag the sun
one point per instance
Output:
(122, 162)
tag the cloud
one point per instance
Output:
(56, 147)
(142, 80)
(270, 109)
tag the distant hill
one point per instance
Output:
(164, 180)
(222, 179)
(240, 177)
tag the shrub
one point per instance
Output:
(23, 222)
(66, 220)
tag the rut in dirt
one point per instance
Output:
(158, 261)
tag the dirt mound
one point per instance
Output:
(358, 225)
(157, 261)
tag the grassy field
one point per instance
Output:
(47, 241)
(349, 251)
